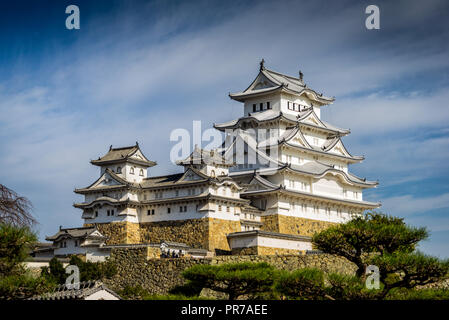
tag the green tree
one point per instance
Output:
(15, 243)
(88, 270)
(408, 270)
(55, 271)
(314, 284)
(373, 232)
(373, 239)
(236, 280)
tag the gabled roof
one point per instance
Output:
(131, 154)
(359, 203)
(97, 186)
(202, 156)
(76, 233)
(271, 115)
(268, 81)
(250, 144)
(261, 116)
(86, 289)
(175, 180)
(318, 169)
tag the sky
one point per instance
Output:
(137, 70)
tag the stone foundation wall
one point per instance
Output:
(244, 251)
(270, 223)
(158, 276)
(293, 225)
(118, 232)
(279, 251)
(218, 229)
(261, 250)
(192, 232)
(206, 233)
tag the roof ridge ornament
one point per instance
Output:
(301, 75)
(262, 66)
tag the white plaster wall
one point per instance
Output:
(285, 98)
(273, 99)
(160, 213)
(101, 295)
(254, 240)
(284, 243)
(243, 242)
(70, 248)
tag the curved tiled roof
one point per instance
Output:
(270, 115)
(82, 232)
(116, 155)
(86, 288)
(283, 82)
(202, 156)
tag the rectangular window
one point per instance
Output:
(289, 105)
(152, 211)
(254, 107)
(108, 213)
(219, 207)
(180, 209)
(148, 212)
(268, 105)
(168, 210)
(228, 209)
(176, 193)
(261, 106)
(96, 213)
(185, 208)
(112, 212)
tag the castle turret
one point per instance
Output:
(127, 162)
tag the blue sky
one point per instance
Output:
(138, 70)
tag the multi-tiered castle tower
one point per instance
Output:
(299, 174)
(281, 175)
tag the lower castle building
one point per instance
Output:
(257, 194)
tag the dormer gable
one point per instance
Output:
(192, 175)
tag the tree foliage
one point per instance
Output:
(15, 243)
(236, 279)
(23, 286)
(373, 232)
(88, 270)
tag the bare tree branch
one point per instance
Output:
(14, 209)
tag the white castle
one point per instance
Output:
(257, 194)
